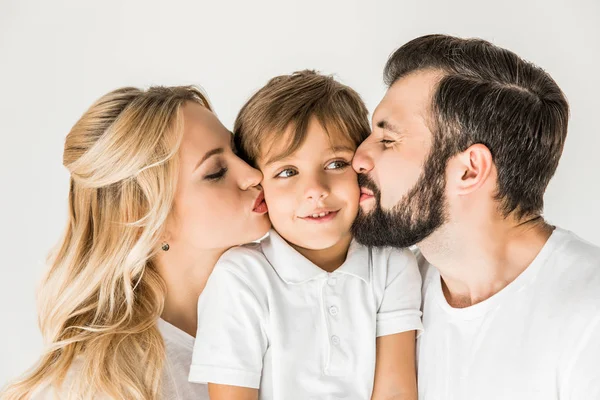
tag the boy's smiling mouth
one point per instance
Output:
(320, 215)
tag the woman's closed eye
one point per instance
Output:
(217, 176)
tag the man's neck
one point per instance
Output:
(478, 261)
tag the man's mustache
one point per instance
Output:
(365, 181)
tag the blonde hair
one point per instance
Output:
(102, 296)
(291, 101)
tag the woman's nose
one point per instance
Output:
(250, 177)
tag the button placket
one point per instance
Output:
(332, 311)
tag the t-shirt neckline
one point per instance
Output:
(520, 283)
(172, 333)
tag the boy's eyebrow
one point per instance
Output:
(339, 149)
(386, 125)
(276, 158)
(334, 149)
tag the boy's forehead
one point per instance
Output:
(277, 147)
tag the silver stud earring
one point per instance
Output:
(165, 246)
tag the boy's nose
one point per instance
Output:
(316, 191)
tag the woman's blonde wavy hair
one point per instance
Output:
(101, 298)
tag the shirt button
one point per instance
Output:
(335, 340)
(333, 310)
(332, 281)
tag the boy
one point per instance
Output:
(307, 312)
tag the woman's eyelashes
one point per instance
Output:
(217, 176)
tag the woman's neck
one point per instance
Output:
(185, 274)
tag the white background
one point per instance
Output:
(57, 57)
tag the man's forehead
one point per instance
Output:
(409, 96)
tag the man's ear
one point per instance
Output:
(469, 170)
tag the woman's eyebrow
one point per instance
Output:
(208, 155)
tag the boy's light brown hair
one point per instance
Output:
(284, 107)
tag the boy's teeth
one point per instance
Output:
(320, 215)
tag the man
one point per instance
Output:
(464, 144)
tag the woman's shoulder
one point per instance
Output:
(50, 391)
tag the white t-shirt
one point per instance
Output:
(537, 339)
(179, 346)
(270, 318)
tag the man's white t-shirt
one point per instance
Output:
(270, 318)
(537, 339)
(178, 346)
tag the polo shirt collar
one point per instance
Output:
(358, 262)
(294, 268)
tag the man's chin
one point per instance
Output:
(366, 210)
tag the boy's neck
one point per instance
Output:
(328, 259)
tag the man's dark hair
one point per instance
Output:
(489, 95)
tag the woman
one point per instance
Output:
(157, 195)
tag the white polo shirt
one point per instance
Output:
(270, 318)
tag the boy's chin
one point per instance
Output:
(323, 241)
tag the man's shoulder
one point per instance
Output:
(573, 261)
(573, 270)
(577, 250)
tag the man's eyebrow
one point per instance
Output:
(386, 125)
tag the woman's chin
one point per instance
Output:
(259, 229)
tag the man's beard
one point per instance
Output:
(416, 216)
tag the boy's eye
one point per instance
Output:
(337, 164)
(286, 173)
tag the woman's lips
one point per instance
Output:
(260, 206)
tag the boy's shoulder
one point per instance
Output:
(391, 256)
(387, 263)
(247, 262)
